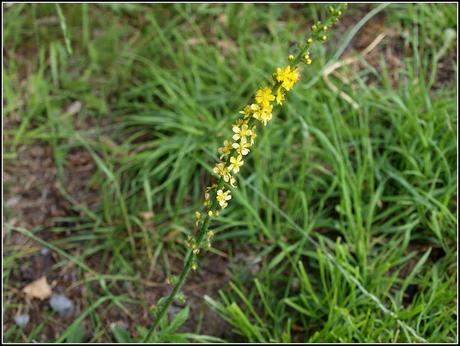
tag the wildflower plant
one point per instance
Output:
(235, 150)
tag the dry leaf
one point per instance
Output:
(38, 289)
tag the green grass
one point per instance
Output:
(351, 214)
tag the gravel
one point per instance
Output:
(61, 304)
(22, 320)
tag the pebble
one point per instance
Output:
(22, 320)
(61, 304)
(45, 251)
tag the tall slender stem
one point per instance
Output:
(189, 259)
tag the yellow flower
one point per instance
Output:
(246, 111)
(280, 95)
(236, 163)
(223, 171)
(226, 149)
(265, 114)
(287, 77)
(250, 109)
(222, 197)
(241, 132)
(240, 122)
(241, 148)
(264, 96)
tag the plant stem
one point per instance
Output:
(189, 259)
(168, 302)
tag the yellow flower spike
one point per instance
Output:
(226, 149)
(241, 132)
(264, 96)
(280, 95)
(236, 163)
(241, 148)
(222, 197)
(244, 134)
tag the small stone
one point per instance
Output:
(119, 324)
(22, 320)
(45, 251)
(61, 304)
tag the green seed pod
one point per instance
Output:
(172, 280)
(180, 298)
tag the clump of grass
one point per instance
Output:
(245, 131)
